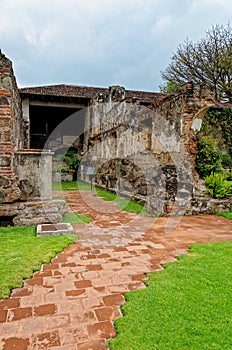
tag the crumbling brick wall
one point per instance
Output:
(10, 115)
(25, 175)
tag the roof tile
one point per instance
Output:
(76, 91)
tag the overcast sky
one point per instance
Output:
(101, 42)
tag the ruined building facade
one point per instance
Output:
(147, 151)
(140, 144)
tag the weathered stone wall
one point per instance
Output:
(10, 130)
(14, 129)
(25, 175)
(176, 126)
(149, 152)
(34, 169)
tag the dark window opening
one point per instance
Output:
(44, 120)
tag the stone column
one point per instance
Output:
(34, 169)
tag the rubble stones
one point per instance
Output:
(34, 212)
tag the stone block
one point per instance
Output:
(54, 230)
(26, 213)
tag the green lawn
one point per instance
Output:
(76, 218)
(226, 215)
(124, 204)
(188, 305)
(70, 185)
(106, 195)
(22, 253)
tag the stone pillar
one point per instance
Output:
(34, 168)
(25, 175)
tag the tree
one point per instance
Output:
(208, 61)
(169, 87)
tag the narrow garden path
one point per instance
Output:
(71, 303)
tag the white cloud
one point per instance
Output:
(100, 41)
(39, 38)
(163, 24)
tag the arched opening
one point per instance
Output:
(214, 151)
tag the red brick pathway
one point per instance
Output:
(72, 302)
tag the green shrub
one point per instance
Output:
(218, 187)
(215, 138)
(72, 160)
(219, 120)
(226, 161)
(227, 174)
(209, 157)
(62, 170)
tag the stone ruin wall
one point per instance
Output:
(148, 153)
(25, 186)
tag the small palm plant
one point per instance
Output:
(218, 187)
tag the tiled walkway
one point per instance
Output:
(72, 302)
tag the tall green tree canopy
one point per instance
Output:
(208, 61)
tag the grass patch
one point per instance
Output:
(186, 306)
(22, 253)
(124, 204)
(226, 215)
(76, 185)
(131, 207)
(76, 218)
(107, 196)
